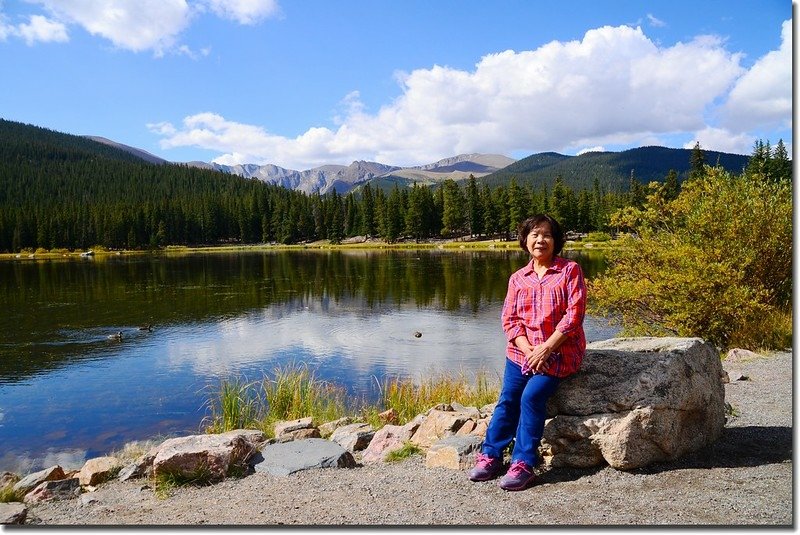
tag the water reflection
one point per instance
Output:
(66, 387)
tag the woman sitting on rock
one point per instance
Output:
(543, 321)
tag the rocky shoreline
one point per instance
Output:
(744, 478)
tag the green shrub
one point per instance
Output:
(716, 262)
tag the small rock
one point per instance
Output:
(283, 428)
(24, 485)
(741, 355)
(439, 424)
(389, 416)
(62, 489)
(467, 428)
(13, 513)
(387, 439)
(326, 429)
(98, 470)
(87, 499)
(353, 437)
(456, 453)
(299, 434)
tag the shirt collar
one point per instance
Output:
(557, 265)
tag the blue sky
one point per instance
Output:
(303, 83)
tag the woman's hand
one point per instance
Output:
(537, 357)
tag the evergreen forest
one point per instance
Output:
(63, 191)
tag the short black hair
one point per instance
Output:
(531, 223)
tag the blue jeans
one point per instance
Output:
(520, 414)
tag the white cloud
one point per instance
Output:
(655, 22)
(244, 11)
(614, 86)
(722, 140)
(598, 148)
(762, 98)
(37, 29)
(137, 25)
(42, 29)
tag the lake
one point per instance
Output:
(70, 391)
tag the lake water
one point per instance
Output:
(68, 392)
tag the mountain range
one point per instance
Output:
(613, 170)
(343, 178)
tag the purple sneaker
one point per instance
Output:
(519, 476)
(486, 468)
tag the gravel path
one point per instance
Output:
(743, 479)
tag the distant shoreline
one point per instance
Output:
(352, 244)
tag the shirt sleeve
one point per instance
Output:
(512, 321)
(576, 300)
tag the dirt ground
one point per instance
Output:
(745, 479)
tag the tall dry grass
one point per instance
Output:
(292, 392)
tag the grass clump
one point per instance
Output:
(8, 494)
(236, 405)
(405, 452)
(165, 482)
(295, 392)
(410, 398)
(292, 392)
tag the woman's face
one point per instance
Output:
(541, 243)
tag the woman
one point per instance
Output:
(543, 322)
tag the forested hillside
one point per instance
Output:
(64, 191)
(613, 169)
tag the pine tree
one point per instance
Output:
(367, 211)
(781, 165)
(415, 216)
(671, 188)
(697, 162)
(474, 208)
(454, 217)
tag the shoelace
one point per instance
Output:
(483, 460)
(518, 467)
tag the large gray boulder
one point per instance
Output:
(214, 456)
(286, 458)
(636, 401)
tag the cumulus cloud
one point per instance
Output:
(722, 140)
(38, 29)
(42, 29)
(136, 25)
(762, 98)
(613, 86)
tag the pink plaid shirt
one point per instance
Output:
(535, 308)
